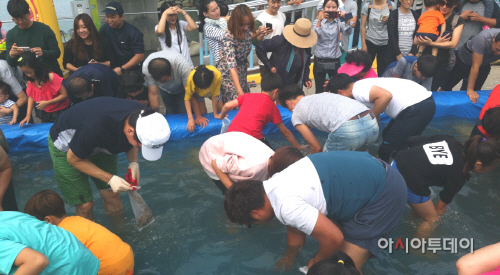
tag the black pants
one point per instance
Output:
(382, 53)
(439, 77)
(266, 142)
(319, 76)
(9, 202)
(475, 130)
(410, 122)
(461, 71)
(221, 186)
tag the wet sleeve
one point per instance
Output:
(296, 212)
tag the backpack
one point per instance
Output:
(370, 6)
(453, 59)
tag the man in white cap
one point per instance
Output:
(85, 140)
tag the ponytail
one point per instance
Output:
(202, 9)
(203, 77)
(338, 264)
(477, 148)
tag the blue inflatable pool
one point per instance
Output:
(34, 137)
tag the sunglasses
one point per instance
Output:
(448, 5)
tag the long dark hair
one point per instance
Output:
(203, 8)
(477, 148)
(339, 264)
(77, 45)
(168, 36)
(29, 60)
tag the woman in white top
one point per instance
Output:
(174, 39)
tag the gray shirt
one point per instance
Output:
(471, 27)
(406, 27)
(350, 6)
(180, 72)
(376, 30)
(481, 44)
(404, 69)
(12, 76)
(328, 32)
(326, 112)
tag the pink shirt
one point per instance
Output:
(494, 272)
(241, 156)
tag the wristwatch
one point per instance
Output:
(122, 69)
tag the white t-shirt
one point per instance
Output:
(175, 42)
(278, 22)
(405, 93)
(296, 196)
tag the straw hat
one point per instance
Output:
(301, 34)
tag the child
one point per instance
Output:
(257, 110)
(340, 263)
(43, 88)
(116, 257)
(29, 246)
(224, 17)
(203, 81)
(132, 87)
(7, 106)
(428, 24)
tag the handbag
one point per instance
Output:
(324, 66)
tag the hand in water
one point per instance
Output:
(284, 264)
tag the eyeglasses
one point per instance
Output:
(448, 5)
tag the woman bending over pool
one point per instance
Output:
(236, 156)
(441, 160)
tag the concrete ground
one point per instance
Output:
(492, 81)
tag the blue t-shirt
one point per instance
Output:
(93, 126)
(126, 41)
(350, 180)
(67, 255)
(104, 79)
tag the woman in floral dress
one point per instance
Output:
(236, 45)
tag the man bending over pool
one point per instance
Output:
(85, 140)
(317, 194)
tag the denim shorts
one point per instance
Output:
(353, 135)
(412, 197)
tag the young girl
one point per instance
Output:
(43, 88)
(171, 31)
(203, 81)
(132, 87)
(340, 264)
(441, 160)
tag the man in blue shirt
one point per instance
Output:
(126, 39)
(319, 192)
(41, 248)
(91, 81)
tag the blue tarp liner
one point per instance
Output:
(33, 137)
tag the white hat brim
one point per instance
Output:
(151, 154)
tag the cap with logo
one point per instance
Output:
(153, 131)
(113, 7)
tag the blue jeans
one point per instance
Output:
(174, 103)
(353, 135)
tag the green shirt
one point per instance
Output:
(38, 35)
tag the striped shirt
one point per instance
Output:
(406, 27)
(6, 118)
(214, 35)
(327, 45)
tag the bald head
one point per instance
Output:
(159, 68)
(80, 87)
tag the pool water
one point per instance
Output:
(191, 234)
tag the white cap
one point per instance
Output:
(153, 131)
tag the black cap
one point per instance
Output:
(113, 7)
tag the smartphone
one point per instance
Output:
(25, 49)
(383, 16)
(333, 14)
(445, 33)
(269, 26)
(348, 16)
(91, 60)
